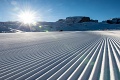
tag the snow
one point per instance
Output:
(63, 55)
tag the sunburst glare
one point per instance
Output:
(27, 17)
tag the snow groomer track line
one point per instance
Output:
(88, 55)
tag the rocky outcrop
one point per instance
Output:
(61, 20)
(96, 21)
(76, 19)
(114, 21)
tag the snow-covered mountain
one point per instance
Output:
(76, 23)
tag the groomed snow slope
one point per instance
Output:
(79, 55)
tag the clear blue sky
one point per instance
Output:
(52, 10)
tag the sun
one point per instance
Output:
(27, 17)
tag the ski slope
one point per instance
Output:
(87, 55)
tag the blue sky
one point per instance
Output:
(52, 10)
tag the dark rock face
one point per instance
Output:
(96, 21)
(76, 19)
(114, 21)
(61, 20)
(85, 19)
(109, 21)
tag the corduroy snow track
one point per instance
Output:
(79, 55)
